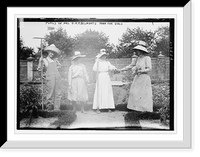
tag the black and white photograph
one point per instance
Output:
(99, 78)
(95, 73)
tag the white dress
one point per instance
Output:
(103, 96)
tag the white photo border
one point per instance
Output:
(180, 138)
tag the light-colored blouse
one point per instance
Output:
(142, 63)
(77, 70)
(103, 66)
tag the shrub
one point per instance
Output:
(135, 115)
(161, 100)
(30, 95)
(121, 107)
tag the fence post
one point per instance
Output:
(134, 56)
(161, 66)
(30, 68)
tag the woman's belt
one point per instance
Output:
(103, 71)
(142, 73)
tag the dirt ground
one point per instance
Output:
(91, 120)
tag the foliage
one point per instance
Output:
(161, 99)
(156, 41)
(25, 51)
(130, 39)
(49, 114)
(90, 42)
(132, 118)
(61, 40)
(137, 115)
(30, 95)
(161, 96)
(162, 36)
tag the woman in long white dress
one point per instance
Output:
(103, 96)
(78, 79)
(140, 95)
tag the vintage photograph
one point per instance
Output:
(95, 74)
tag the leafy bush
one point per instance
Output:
(132, 120)
(121, 107)
(131, 117)
(30, 95)
(49, 114)
(161, 100)
(134, 115)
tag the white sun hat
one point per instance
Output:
(77, 54)
(102, 52)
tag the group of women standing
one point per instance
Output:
(140, 96)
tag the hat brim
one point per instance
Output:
(141, 48)
(79, 56)
(53, 49)
(100, 55)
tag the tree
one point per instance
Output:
(130, 39)
(162, 36)
(90, 42)
(25, 51)
(61, 40)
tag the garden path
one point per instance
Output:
(103, 120)
(91, 119)
(111, 120)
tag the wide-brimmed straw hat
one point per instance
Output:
(141, 46)
(142, 43)
(77, 54)
(101, 53)
(53, 49)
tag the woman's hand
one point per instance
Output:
(139, 71)
(117, 71)
(69, 87)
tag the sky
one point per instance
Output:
(114, 30)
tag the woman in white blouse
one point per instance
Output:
(103, 97)
(140, 96)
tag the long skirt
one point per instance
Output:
(103, 96)
(78, 91)
(140, 96)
